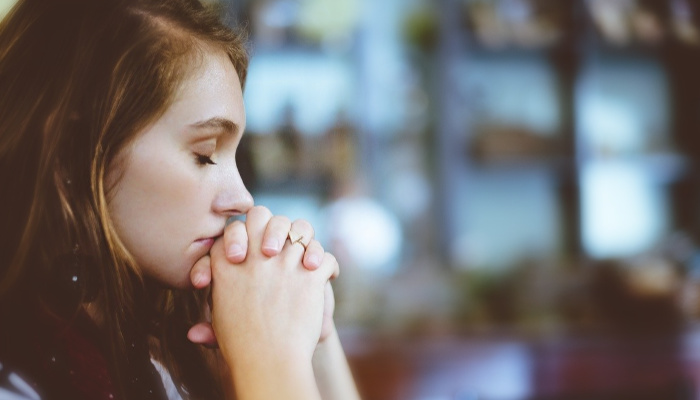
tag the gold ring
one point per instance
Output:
(296, 238)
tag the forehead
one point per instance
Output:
(211, 89)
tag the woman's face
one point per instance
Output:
(178, 182)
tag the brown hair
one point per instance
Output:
(79, 79)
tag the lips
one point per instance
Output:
(209, 241)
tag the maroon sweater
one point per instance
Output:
(65, 359)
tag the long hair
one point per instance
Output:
(79, 79)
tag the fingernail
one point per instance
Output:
(198, 278)
(314, 260)
(234, 251)
(271, 244)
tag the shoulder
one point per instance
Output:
(15, 387)
(43, 357)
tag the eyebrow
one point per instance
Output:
(217, 123)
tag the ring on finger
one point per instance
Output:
(295, 238)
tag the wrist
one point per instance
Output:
(327, 331)
(332, 372)
(326, 348)
(261, 376)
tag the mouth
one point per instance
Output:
(209, 241)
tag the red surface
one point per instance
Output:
(562, 368)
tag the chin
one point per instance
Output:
(183, 284)
(175, 282)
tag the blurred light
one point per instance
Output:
(328, 20)
(515, 11)
(316, 86)
(505, 217)
(623, 213)
(501, 24)
(611, 17)
(611, 125)
(683, 24)
(410, 194)
(5, 6)
(385, 78)
(280, 14)
(368, 233)
(623, 108)
(522, 91)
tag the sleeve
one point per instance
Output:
(13, 387)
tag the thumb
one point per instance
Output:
(203, 333)
(200, 274)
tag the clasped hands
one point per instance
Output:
(268, 294)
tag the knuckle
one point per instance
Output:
(233, 227)
(316, 245)
(281, 220)
(259, 211)
(304, 225)
(330, 258)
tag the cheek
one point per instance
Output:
(151, 196)
(165, 193)
(155, 178)
(155, 213)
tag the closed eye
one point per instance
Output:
(204, 160)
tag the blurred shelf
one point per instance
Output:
(606, 50)
(663, 168)
(651, 78)
(294, 186)
(553, 165)
(477, 49)
(296, 49)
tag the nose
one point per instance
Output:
(232, 197)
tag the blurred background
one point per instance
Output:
(512, 187)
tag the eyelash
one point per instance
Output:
(204, 160)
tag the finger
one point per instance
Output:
(256, 222)
(328, 325)
(203, 333)
(217, 253)
(275, 235)
(313, 255)
(236, 242)
(301, 233)
(200, 274)
(329, 267)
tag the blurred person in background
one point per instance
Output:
(119, 124)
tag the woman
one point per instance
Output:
(119, 122)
